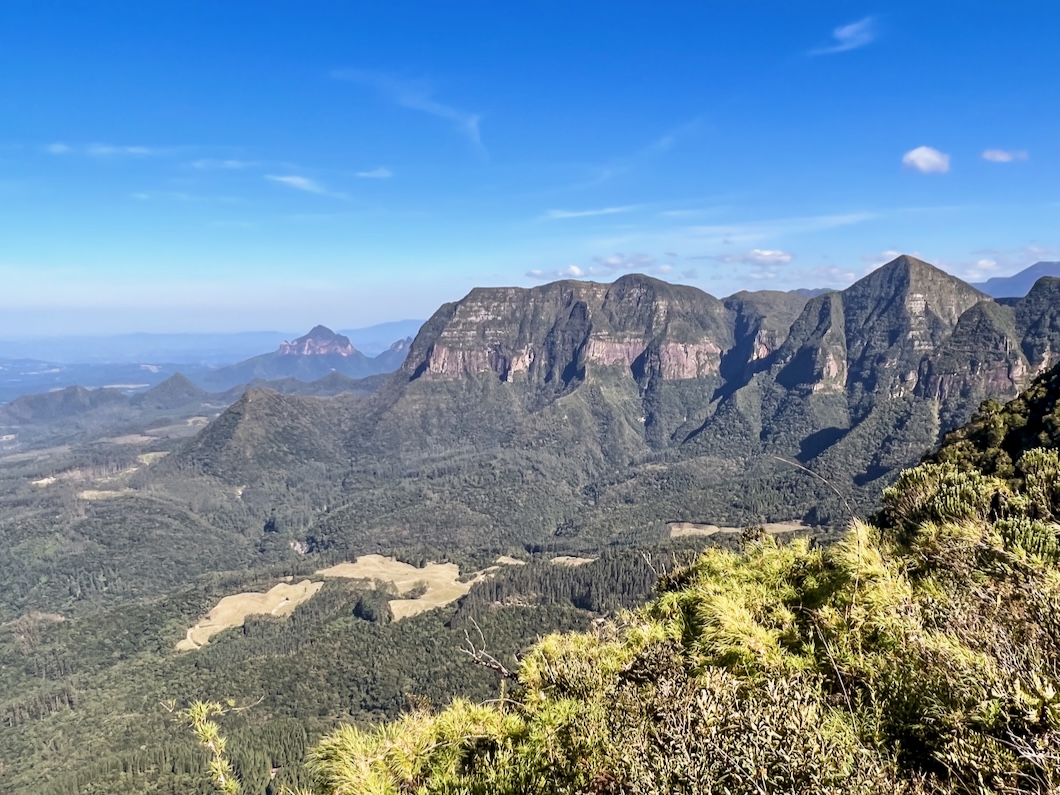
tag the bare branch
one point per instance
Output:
(480, 656)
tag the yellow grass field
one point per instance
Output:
(232, 611)
(130, 438)
(508, 560)
(94, 495)
(571, 560)
(680, 529)
(441, 579)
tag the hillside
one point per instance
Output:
(579, 414)
(918, 655)
(619, 427)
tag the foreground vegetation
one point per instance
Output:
(920, 654)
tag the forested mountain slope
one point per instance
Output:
(581, 413)
(917, 655)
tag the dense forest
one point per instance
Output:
(919, 654)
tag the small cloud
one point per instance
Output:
(1004, 155)
(926, 160)
(303, 184)
(102, 150)
(230, 165)
(607, 267)
(633, 262)
(690, 273)
(670, 138)
(850, 37)
(560, 214)
(764, 257)
(414, 95)
(108, 150)
(765, 262)
(170, 195)
(570, 272)
(376, 173)
(759, 256)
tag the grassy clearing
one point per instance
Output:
(33, 455)
(442, 581)
(94, 495)
(232, 611)
(508, 560)
(681, 529)
(571, 560)
(129, 438)
(149, 458)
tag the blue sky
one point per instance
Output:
(211, 166)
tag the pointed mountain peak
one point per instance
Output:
(912, 275)
(913, 267)
(175, 391)
(321, 333)
(319, 341)
(908, 261)
(174, 382)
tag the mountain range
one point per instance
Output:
(1019, 284)
(581, 413)
(628, 423)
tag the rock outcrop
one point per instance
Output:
(555, 333)
(320, 341)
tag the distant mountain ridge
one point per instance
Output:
(1018, 284)
(307, 358)
(595, 410)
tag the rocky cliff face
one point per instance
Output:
(556, 333)
(320, 341)
(908, 346)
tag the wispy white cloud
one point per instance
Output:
(109, 150)
(765, 263)
(926, 160)
(303, 184)
(415, 95)
(751, 232)
(669, 139)
(228, 165)
(376, 173)
(1004, 155)
(102, 150)
(562, 214)
(850, 37)
(169, 195)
